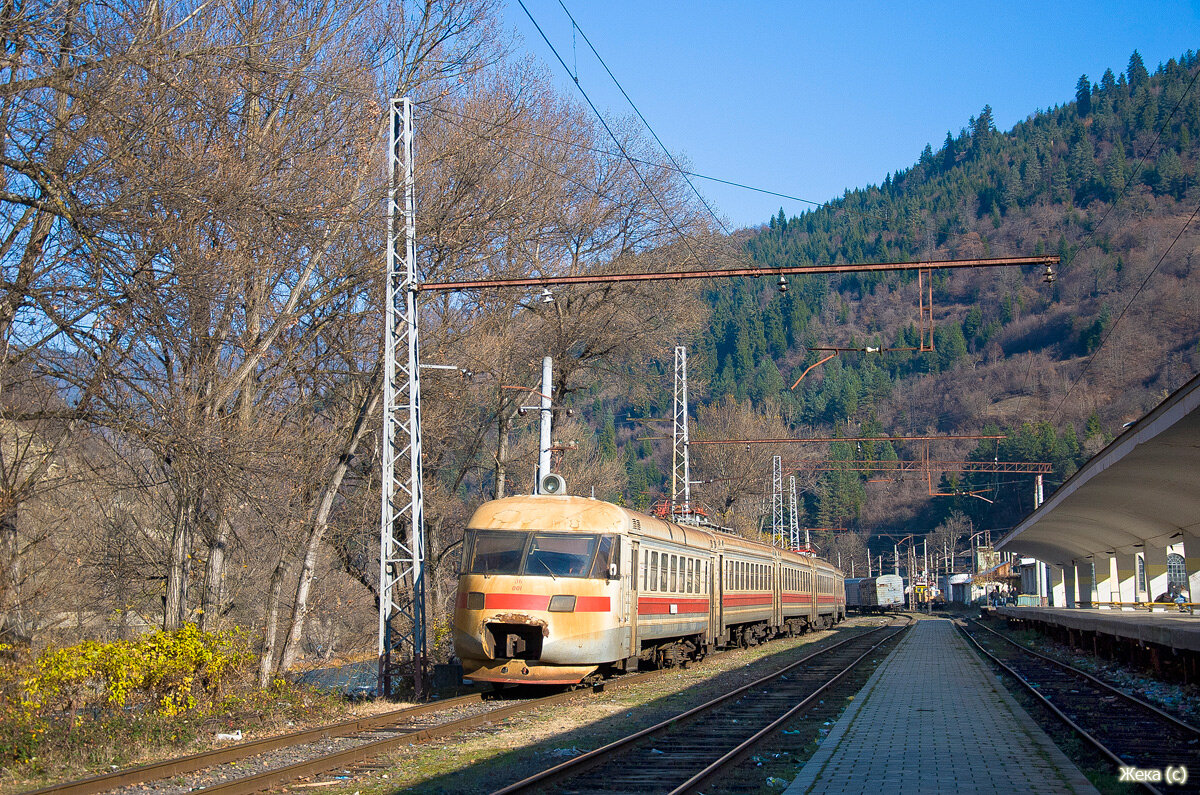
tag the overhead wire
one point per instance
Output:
(1090, 240)
(1113, 327)
(672, 167)
(604, 122)
(617, 83)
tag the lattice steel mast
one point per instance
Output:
(402, 530)
(777, 500)
(681, 476)
(794, 525)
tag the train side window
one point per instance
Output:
(674, 573)
(687, 581)
(663, 573)
(653, 571)
(696, 578)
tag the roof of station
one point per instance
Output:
(1144, 488)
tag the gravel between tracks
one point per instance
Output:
(486, 759)
(283, 757)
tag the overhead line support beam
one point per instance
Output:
(791, 270)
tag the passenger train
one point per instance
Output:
(875, 594)
(562, 590)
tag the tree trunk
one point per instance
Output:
(12, 615)
(503, 423)
(266, 663)
(178, 567)
(212, 600)
(320, 521)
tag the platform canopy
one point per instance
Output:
(1144, 488)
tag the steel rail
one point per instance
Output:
(580, 763)
(735, 755)
(1099, 746)
(1182, 724)
(339, 759)
(233, 753)
(269, 778)
(712, 273)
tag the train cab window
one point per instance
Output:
(607, 554)
(560, 555)
(653, 571)
(494, 552)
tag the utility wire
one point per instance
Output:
(666, 215)
(1090, 240)
(673, 167)
(621, 88)
(1113, 327)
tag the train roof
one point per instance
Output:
(566, 513)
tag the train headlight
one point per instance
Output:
(562, 603)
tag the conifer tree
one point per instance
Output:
(1136, 71)
(1083, 96)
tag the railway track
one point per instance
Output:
(686, 751)
(259, 764)
(1129, 732)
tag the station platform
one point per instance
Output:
(1172, 629)
(933, 718)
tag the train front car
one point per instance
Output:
(540, 590)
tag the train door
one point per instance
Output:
(815, 589)
(631, 597)
(716, 626)
(777, 593)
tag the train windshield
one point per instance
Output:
(493, 552)
(536, 554)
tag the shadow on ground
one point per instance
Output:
(509, 766)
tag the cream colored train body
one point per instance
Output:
(561, 590)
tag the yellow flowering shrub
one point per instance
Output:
(168, 671)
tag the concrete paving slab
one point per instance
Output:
(933, 718)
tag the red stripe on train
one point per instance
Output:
(747, 600)
(521, 601)
(592, 604)
(515, 601)
(660, 606)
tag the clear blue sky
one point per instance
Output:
(809, 99)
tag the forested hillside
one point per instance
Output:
(192, 281)
(1109, 182)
